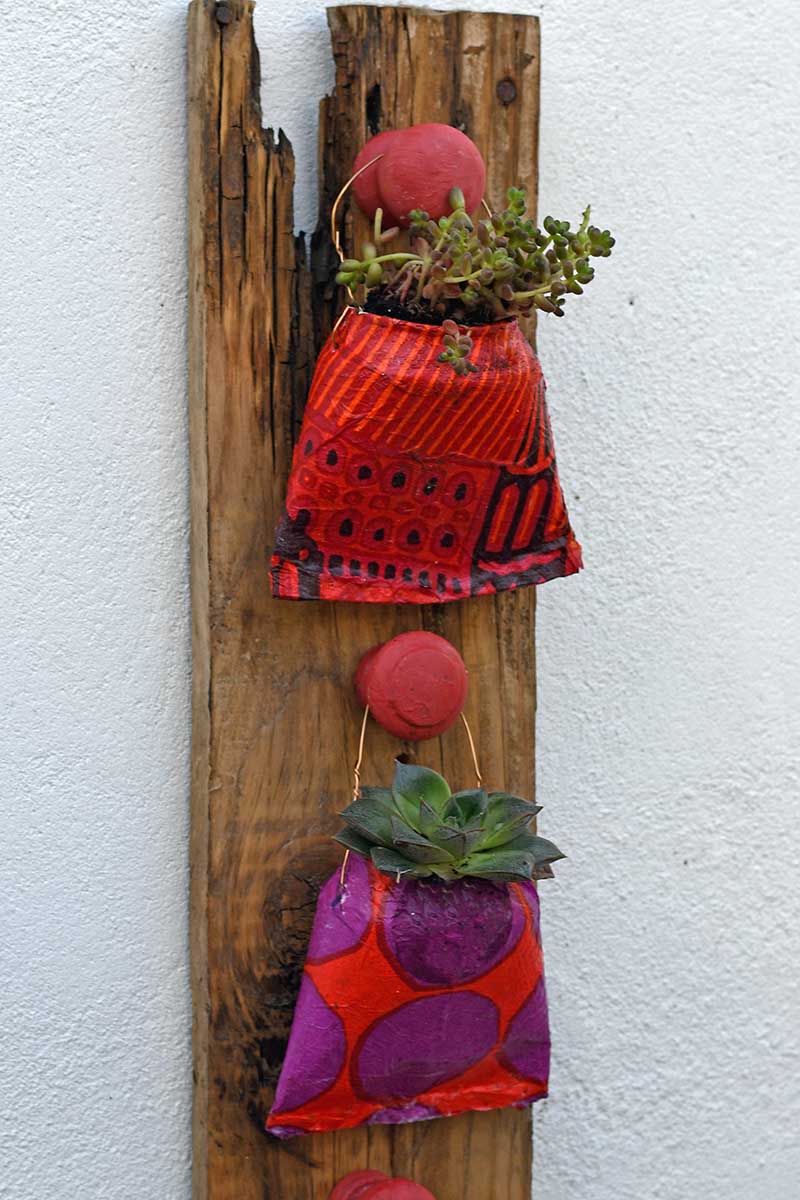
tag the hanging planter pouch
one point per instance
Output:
(422, 996)
(418, 1000)
(412, 484)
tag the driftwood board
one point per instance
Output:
(275, 720)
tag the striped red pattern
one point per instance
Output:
(413, 484)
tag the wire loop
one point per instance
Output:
(360, 759)
(347, 308)
(478, 776)
(356, 783)
(335, 236)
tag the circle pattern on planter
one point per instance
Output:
(423, 1044)
(343, 914)
(526, 1047)
(401, 1116)
(311, 1065)
(446, 936)
(381, 1035)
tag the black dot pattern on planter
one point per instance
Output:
(406, 513)
(366, 525)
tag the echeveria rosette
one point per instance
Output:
(418, 828)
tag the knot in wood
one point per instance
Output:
(506, 91)
(223, 14)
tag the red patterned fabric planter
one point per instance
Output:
(418, 1000)
(411, 484)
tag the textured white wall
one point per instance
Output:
(669, 706)
(95, 1075)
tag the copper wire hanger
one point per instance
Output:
(359, 760)
(337, 239)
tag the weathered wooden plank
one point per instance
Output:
(275, 723)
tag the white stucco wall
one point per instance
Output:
(669, 707)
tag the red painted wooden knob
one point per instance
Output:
(415, 685)
(374, 1185)
(354, 1185)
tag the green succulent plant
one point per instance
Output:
(418, 827)
(455, 269)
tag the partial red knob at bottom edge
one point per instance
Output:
(397, 1189)
(354, 1185)
(374, 1185)
(415, 685)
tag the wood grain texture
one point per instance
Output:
(275, 719)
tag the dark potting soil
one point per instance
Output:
(381, 305)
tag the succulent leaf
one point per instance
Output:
(506, 816)
(353, 841)
(539, 848)
(469, 804)
(445, 872)
(502, 807)
(520, 841)
(377, 793)
(371, 819)
(415, 846)
(501, 865)
(429, 819)
(545, 852)
(413, 784)
(394, 863)
(458, 842)
(454, 842)
(501, 835)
